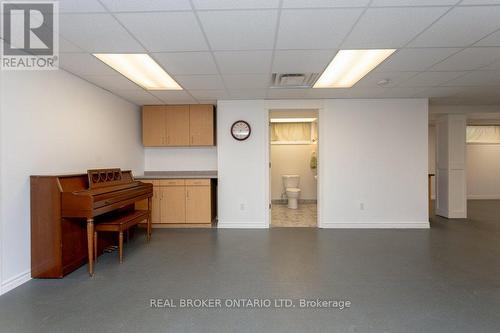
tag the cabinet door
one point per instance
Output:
(173, 208)
(198, 205)
(153, 126)
(201, 125)
(177, 125)
(156, 205)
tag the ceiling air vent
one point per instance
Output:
(293, 80)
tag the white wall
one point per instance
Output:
(243, 189)
(292, 159)
(374, 154)
(371, 151)
(180, 159)
(53, 122)
(483, 171)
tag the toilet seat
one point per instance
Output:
(293, 190)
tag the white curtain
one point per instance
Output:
(483, 134)
(291, 132)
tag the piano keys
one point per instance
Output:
(64, 209)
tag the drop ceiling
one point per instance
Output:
(448, 50)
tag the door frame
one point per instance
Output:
(297, 106)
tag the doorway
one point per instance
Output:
(293, 156)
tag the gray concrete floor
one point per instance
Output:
(446, 279)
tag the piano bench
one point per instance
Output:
(119, 223)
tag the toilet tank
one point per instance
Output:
(291, 181)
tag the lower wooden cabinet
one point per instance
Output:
(182, 201)
(173, 209)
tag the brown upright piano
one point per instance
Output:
(64, 209)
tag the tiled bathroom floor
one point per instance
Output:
(304, 216)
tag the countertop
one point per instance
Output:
(212, 174)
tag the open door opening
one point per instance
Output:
(293, 139)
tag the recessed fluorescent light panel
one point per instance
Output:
(141, 69)
(350, 66)
(293, 120)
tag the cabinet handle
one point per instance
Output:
(187, 194)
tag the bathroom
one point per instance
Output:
(293, 137)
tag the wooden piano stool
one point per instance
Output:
(120, 223)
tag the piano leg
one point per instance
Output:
(90, 244)
(149, 220)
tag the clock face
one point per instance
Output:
(240, 130)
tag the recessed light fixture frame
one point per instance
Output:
(350, 66)
(141, 69)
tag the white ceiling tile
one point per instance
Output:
(80, 6)
(395, 78)
(383, 3)
(324, 3)
(187, 63)
(477, 78)
(84, 64)
(493, 67)
(165, 31)
(402, 92)
(315, 28)
(301, 61)
(478, 92)
(462, 26)
(208, 94)
(231, 4)
(354, 92)
(138, 97)
(426, 79)
(112, 82)
(204, 82)
(287, 93)
(391, 27)
(174, 96)
(491, 40)
(239, 30)
(247, 93)
(241, 62)
(145, 5)
(469, 59)
(439, 92)
(97, 33)
(418, 59)
(66, 46)
(480, 2)
(247, 81)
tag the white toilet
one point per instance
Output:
(292, 190)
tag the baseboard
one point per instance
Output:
(15, 282)
(451, 215)
(483, 197)
(300, 201)
(375, 225)
(241, 225)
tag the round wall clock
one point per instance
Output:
(240, 130)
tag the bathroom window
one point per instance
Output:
(483, 134)
(292, 133)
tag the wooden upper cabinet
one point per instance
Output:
(201, 125)
(178, 125)
(153, 125)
